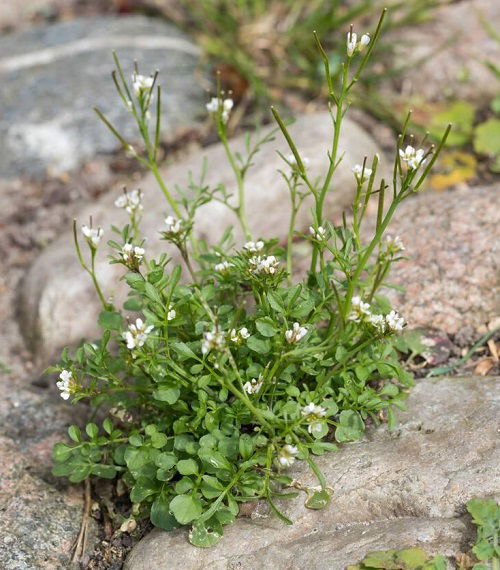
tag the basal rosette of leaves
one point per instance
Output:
(221, 372)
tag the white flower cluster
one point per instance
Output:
(171, 313)
(130, 201)
(137, 334)
(213, 340)
(66, 377)
(174, 226)
(361, 174)
(394, 244)
(141, 84)
(132, 255)
(413, 157)
(287, 454)
(253, 386)
(223, 105)
(295, 334)
(254, 246)
(353, 45)
(239, 336)
(268, 265)
(93, 235)
(223, 266)
(362, 312)
(313, 414)
(319, 233)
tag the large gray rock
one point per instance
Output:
(53, 75)
(59, 304)
(454, 45)
(451, 278)
(392, 490)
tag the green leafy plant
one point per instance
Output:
(223, 369)
(486, 515)
(407, 559)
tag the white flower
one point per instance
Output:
(378, 321)
(395, 244)
(239, 336)
(223, 267)
(361, 173)
(253, 386)
(293, 161)
(295, 334)
(352, 42)
(213, 340)
(171, 313)
(141, 84)
(93, 235)
(287, 454)
(359, 310)
(413, 157)
(132, 255)
(174, 226)
(394, 321)
(319, 233)
(268, 265)
(66, 377)
(353, 45)
(137, 334)
(313, 412)
(223, 106)
(254, 246)
(130, 201)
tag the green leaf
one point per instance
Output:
(246, 446)
(165, 460)
(266, 327)
(161, 516)
(487, 137)
(142, 489)
(351, 427)
(185, 508)
(107, 425)
(483, 550)
(276, 302)
(74, 433)
(159, 440)
(110, 320)
(104, 471)
(167, 393)
(461, 114)
(183, 350)
(261, 346)
(61, 452)
(136, 440)
(411, 558)
(92, 430)
(152, 293)
(214, 458)
(133, 304)
(318, 500)
(205, 534)
(187, 467)
(80, 473)
(381, 560)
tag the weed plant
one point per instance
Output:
(223, 370)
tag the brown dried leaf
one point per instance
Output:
(493, 349)
(484, 366)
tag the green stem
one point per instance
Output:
(154, 169)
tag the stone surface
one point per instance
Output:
(59, 304)
(392, 490)
(454, 53)
(53, 75)
(452, 274)
(39, 523)
(14, 13)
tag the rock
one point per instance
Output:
(14, 13)
(454, 54)
(38, 523)
(392, 490)
(59, 304)
(452, 274)
(54, 74)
